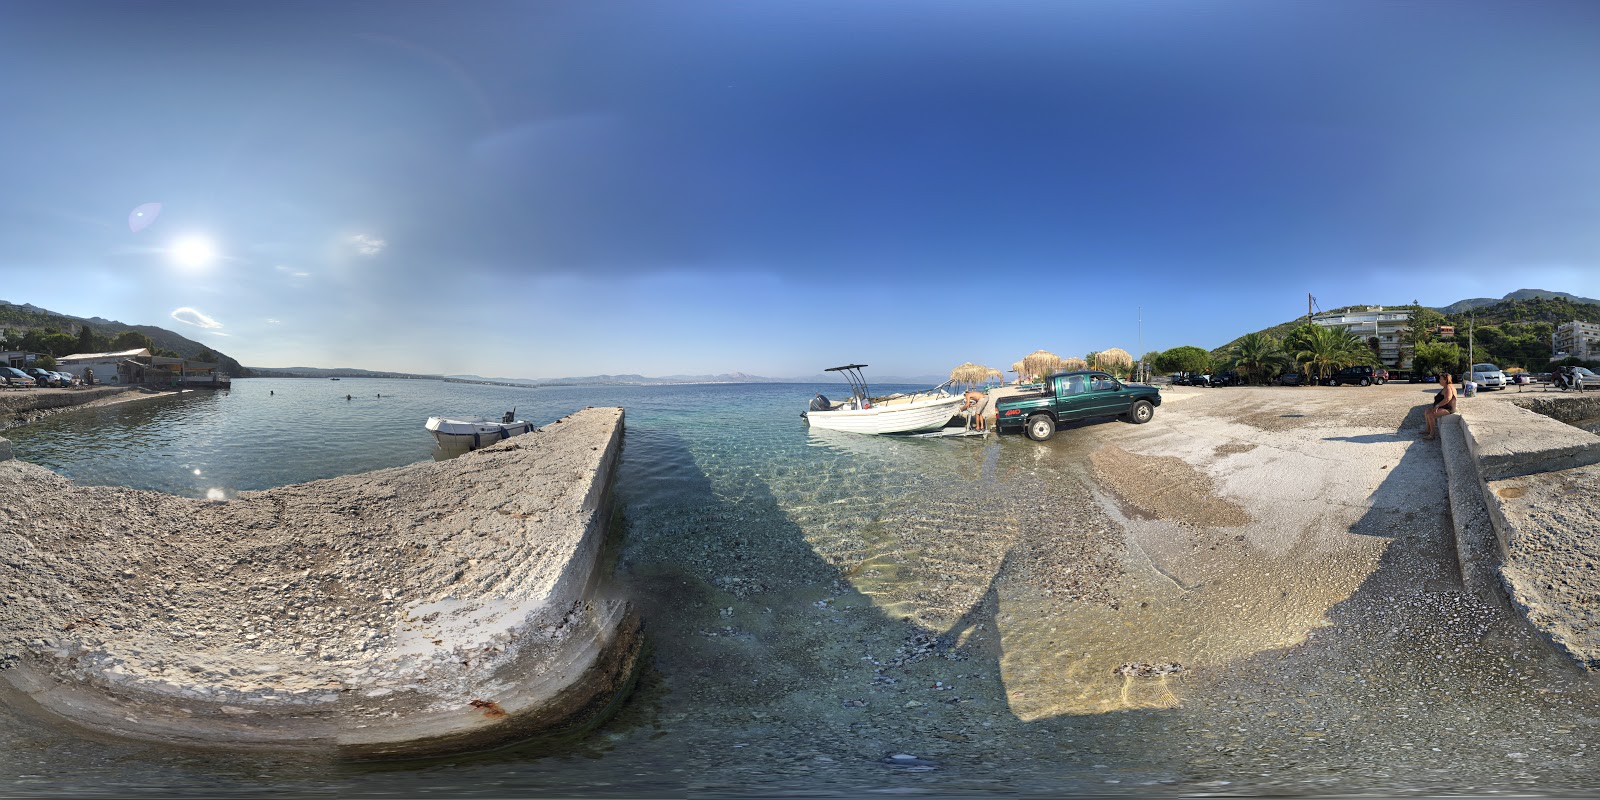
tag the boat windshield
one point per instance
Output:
(852, 374)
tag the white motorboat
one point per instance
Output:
(471, 433)
(863, 413)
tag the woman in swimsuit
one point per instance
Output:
(1443, 403)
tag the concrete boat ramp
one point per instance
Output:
(1525, 496)
(431, 608)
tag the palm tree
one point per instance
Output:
(1257, 354)
(1324, 351)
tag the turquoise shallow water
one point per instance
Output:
(815, 603)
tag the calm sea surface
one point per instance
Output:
(816, 603)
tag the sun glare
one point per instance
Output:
(193, 252)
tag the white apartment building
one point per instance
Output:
(1387, 325)
(1578, 339)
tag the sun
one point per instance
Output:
(193, 252)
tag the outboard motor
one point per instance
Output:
(820, 403)
(510, 417)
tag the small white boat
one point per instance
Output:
(862, 413)
(471, 433)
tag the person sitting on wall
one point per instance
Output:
(1443, 403)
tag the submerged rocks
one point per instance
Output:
(435, 607)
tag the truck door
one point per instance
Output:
(1072, 394)
(1106, 396)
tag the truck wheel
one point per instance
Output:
(1365, 382)
(1141, 412)
(1041, 427)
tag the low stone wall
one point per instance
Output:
(1537, 483)
(19, 405)
(431, 608)
(1564, 408)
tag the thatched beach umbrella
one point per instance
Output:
(1021, 370)
(1070, 364)
(1040, 363)
(969, 374)
(995, 375)
(1114, 360)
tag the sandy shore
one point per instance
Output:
(419, 609)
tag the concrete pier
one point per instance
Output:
(427, 609)
(1536, 511)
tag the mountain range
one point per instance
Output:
(1520, 294)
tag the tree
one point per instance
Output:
(1418, 331)
(132, 340)
(1257, 356)
(1323, 351)
(45, 362)
(86, 339)
(1433, 358)
(205, 356)
(1185, 359)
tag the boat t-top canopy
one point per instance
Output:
(852, 374)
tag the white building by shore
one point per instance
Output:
(1575, 339)
(1385, 324)
(119, 368)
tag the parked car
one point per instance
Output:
(1289, 379)
(1229, 378)
(1487, 376)
(68, 379)
(1069, 396)
(42, 377)
(16, 377)
(1359, 376)
(1200, 379)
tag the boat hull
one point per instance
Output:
(918, 415)
(471, 434)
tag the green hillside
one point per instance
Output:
(1514, 332)
(18, 320)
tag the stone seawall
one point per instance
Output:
(431, 608)
(18, 406)
(1538, 485)
(1564, 408)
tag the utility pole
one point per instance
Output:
(1308, 308)
(1141, 374)
(1472, 322)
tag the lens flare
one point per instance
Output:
(141, 217)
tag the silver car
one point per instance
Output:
(1487, 376)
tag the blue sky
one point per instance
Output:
(566, 188)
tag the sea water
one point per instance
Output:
(818, 604)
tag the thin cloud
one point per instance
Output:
(292, 272)
(271, 321)
(217, 333)
(189, 316)
(368, 245)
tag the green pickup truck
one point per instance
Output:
(1069, 396)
